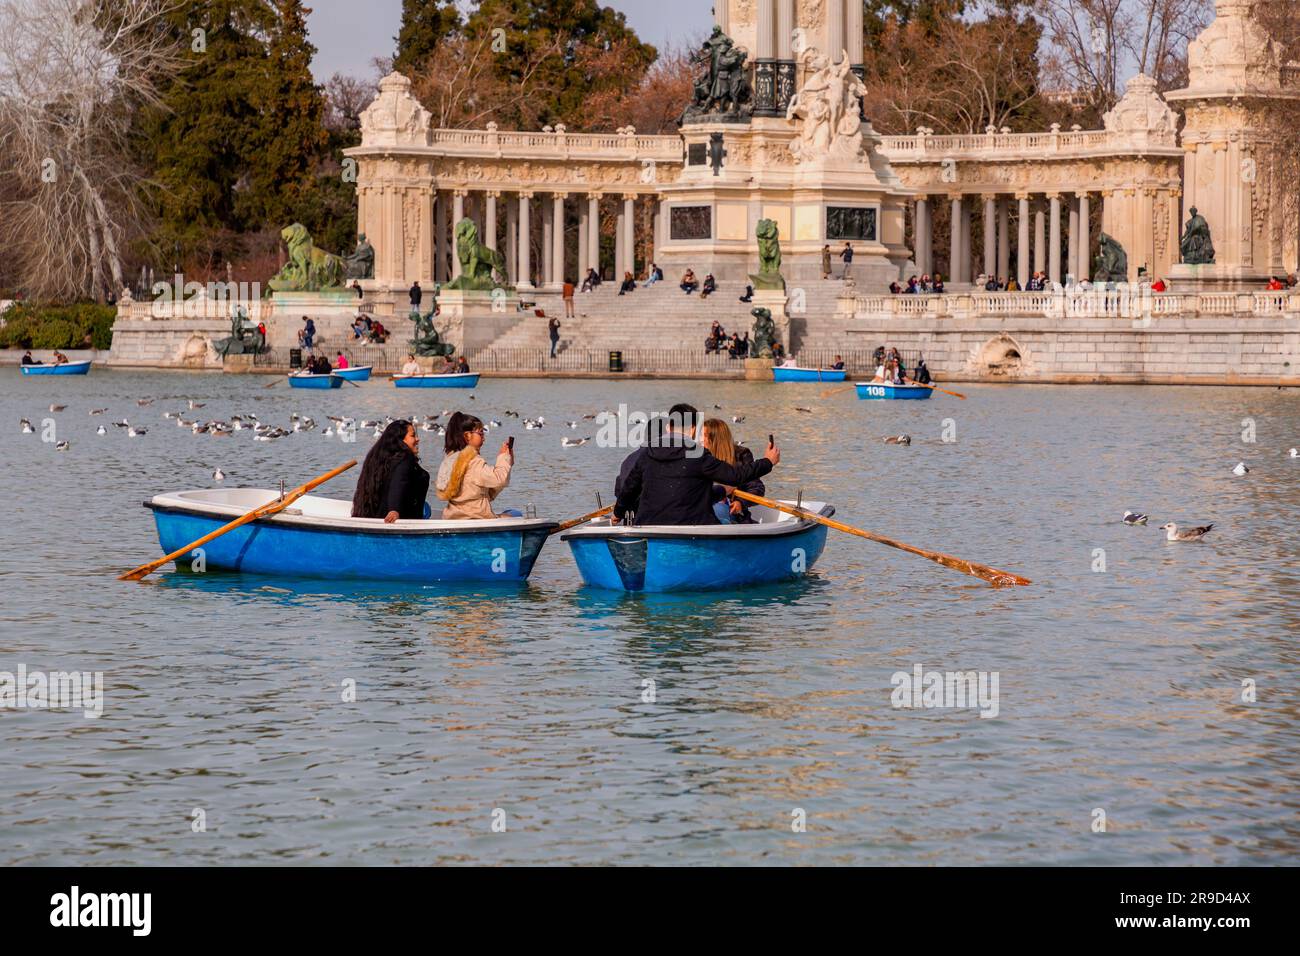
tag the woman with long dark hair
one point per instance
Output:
(392, 483)
(465, 481)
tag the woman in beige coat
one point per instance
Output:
(465, 480)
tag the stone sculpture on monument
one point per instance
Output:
(361, 264)
(723, 90)
(1111, 264)
(769, 257)
(478, 263)
(827, 108)
(1196, 245)
(309, 269)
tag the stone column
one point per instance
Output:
(967, 214)
(1004, 240)
(557, 237)
(1022, 242)
(1054, 240)
(766, 34)
(548, 243)
(1040, 238)
(439, 241)
(990, 236)
(1085, 237)
(490, 220)
(656, 229)
(954, 242)
(512, 239)
(583, 245)
(1072, 258)
(921, 232)
(525, 280)
(722, 15)
(834, 30)
(620, 251)
(629, 223)
(853, 29)
(593, 231)
(457, 214)
(784, 28)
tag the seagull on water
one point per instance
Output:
(194, 404)
(101, 430)
(133, 432)
(218, 475)
(98, 411)
(1191, 534)
(800, 408)
(898, 440)
(27, 426)
(144, 402)
(63, 445)
(57, 408)
(1134, 517)
(737, 419)
(1241, 469)
(574, 442)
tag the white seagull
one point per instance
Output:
(101, 430)
(63, 446)
(573, 442)
(1295, 452)
(1134, 517)
(1191, 534)
(898, 440)
(218, 475)
(1241, 469)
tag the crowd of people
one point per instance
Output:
(925, 285)
(735, 345)
(368, 330)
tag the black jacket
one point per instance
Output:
(666, 485)
(746, 457)
(408, 485)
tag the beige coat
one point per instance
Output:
(482, 483)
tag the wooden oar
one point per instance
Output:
(566, 525)
(991, 575)
(264, 511)
(831, 391)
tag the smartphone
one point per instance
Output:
(510, 442)
(771, 442)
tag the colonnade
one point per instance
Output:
(1041, 220)
(542, 222)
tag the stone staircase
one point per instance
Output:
(660, 317)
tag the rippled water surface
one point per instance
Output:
(1120, 689)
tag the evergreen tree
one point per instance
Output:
(425, 24)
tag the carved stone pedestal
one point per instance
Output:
(758, 370)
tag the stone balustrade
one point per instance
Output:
(1073, 302)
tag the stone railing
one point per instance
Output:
(556, 145)
(927, 147)
(193, 308)
(1074, 302)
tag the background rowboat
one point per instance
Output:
(356, 373)
(451, 380)
(789, 374)
(318, 537)
(311, 380)
(885, 391)
(67, 368)
(779, 547)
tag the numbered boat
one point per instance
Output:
(440, 380)
(355, 373)
(64, 368)
(318, 537)
(885, 391)
(315, 380)
(790, 373)
(777, 547)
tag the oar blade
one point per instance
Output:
(994, 576)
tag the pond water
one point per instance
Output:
(1119, 671)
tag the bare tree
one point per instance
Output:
(1095, 44)
(71, 73)
(346, 97)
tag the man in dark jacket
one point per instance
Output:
(671, 480)
(416, 295)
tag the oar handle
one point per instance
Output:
(262, 511)
(565, 525)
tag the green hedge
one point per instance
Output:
(58, 326)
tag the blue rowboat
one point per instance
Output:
(778, 547)
(312, 380)
(67, 368)
(441, 380)
(789, 373)
(882, 390)
(317, 537)
(357, 373)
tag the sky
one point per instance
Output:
(348, 34)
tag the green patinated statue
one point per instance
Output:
(478, 263)
(1196, 246)
(763, 335)
(769, 257)
(1111, 264)
(244, 339)
(309, 269)
(427, 342)
(361, 264)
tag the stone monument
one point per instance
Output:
(1111, 264)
